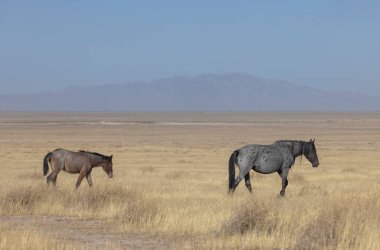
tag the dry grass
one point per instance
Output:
(170, 180)
(30, 240)
(252, 216)
(116, 203)
(342, 224)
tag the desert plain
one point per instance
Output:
(169, 189)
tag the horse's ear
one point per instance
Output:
(111, 156)
(314, 140)
(311, 140)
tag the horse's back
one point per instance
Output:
(68, 160)
(65, 152)
(262, 158)
(61, 151)
(256, 148)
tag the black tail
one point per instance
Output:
(46, 163)
(231, 170)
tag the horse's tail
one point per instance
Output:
(46, 163)
(231, 170)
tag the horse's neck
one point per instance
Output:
(297, 149)
(95, 160)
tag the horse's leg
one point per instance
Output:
(49, 179)
(284, 176)
(56, 167)
(244, 170)
(248, 182)
(279, 172)
(82, 174)
(88, 177)
(53, 176)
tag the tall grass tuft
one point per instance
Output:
(250, 216)
(341, 224)
(139, 211)
(126, 205)
(22, 200)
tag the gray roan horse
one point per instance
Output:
(80, 162)
(266, 159)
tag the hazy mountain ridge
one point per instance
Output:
(209, 92)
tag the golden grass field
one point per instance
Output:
(170, 182)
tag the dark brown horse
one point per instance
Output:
(80, 162)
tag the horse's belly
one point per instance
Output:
(266, 166)
(71, 171)
(264, 170)
(69, 168)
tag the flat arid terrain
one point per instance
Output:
(170, 182)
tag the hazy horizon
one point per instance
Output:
(155, 81)
(49, 46)
(208, 92)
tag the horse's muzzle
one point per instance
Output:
(315, 164)
(110, 175)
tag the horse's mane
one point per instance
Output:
(291, 141)
(97, 154)
(304, 144)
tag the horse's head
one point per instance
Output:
(310, 153)
(107, 166)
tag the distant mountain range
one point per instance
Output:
(209, 92)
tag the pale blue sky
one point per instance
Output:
(49, 45)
